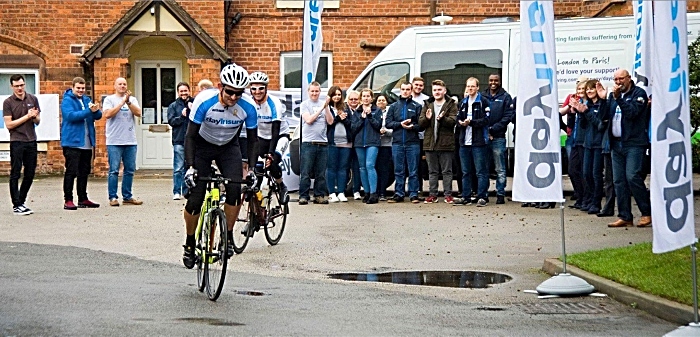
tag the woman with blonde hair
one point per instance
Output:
(366, 123)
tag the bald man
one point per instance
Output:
(120, 110)
(628, 133)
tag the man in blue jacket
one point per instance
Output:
(627, 130)
(178, 119)
(402, 118)
(502, 110)
(78, 140)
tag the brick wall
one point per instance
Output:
(47, 28)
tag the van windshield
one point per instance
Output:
(455, 67)
(386, 79)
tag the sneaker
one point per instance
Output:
(321, 201)
(19, 210)
(373, 199)
(177, 196)
(88, 204)
(500, 200)
(357, 196)
(481, 203)
(365, 198)
(333, 198)
(462, 201)
(188, 257)
(449, 199)
(69, 205)
(395, 199)
(341, 197)
(114, 202)
(415, 200)
(431, 200)
(303, 201)
(132, 201)
(26, 209)
(382, 198)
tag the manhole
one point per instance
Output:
(454, 279)
(208, 321)
(249, 293)
(562, 308)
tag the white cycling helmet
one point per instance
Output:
(234, 76)
(259, 77)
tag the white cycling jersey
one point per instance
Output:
(219, 123)
(270, 110)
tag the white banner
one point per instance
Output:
(312, 43)
(292, 101)
(537, 174)
(50, 126)
(643, 38)
(671, 172)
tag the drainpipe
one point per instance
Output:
(366, 45)
(433, 11)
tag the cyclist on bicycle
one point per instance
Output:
(217, 118)
(273, 131)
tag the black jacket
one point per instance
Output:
(479, 122)
(502, 110)
(177, 121)
(635, 116)
(404, 108)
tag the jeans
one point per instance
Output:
(21, 154)
(117, 154)
(593, 175)
(628, 179)
(477, 156)
(314, 158)
(179, 186)
(78, 165)
(438, 160)
(405, 158)
(355, 166)
(337, 168)
(608, 185)
(498, 151)
(367, 157)
(385, 169)
(576, 173)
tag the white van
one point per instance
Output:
(591, 47)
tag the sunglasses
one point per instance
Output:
(232, 92)
(257, 88)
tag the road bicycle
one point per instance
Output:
(263, 208)
(211, 252)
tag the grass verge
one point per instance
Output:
(666, 275)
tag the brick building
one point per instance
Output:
(155, 44)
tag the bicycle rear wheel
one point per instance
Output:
(276, 218)
(240, 227)
(216, 259)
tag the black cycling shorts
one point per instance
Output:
(228, 159)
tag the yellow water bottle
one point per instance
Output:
(259, 195)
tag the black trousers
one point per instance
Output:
(576, 173)
(22, 154)
(78, 165)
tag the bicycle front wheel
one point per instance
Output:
(241, 226)
(199, 256)
(216, 258)
(276, 218)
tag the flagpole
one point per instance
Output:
(693, 328)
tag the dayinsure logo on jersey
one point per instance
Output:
(222, 121)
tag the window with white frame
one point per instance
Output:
(31, 79)
(290, 68)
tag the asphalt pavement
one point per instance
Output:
(117, 270)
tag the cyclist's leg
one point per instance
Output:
(231, 166)
(202, 164)
(276, 170)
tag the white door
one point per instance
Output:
(155, 88)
